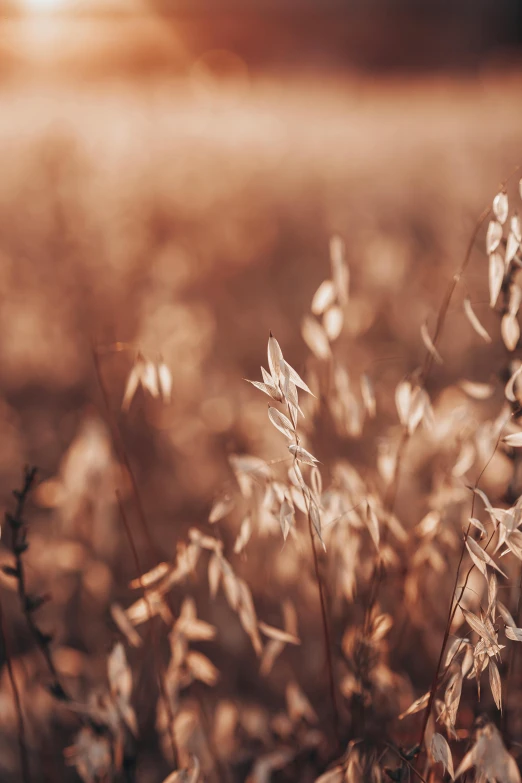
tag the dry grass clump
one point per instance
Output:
(348, 608)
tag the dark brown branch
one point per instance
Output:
(30, 603)
(22, 741)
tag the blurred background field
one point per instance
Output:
(170, 179)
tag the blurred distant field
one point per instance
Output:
(185, 217)
(189, 218)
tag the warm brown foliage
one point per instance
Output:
(312, 592)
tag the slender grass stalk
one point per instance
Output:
(326, 637)
(454, 605)
(22, 739)
(324, 615)
(29, 603)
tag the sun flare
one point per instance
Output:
(45, 5)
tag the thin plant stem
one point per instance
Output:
(326, 635)
(454, 604)
(28, 603)
(159, 668)
(405, 761)
(22, 739)
(124, 458)
(379, 571)
(512, 653)
(324, 615)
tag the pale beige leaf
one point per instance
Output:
(118, 672)
(429, 344)
(230, 585)
(290, 617)
(381, 626)
(420, 405)
(335, 775)
(403, 396)
(515, 298)
(477, 553)
(281, 422)
(316, 338)
(515, 634)
(302, 454)
(275, 357)
(510, 331)
(454, 649)
(474, 321)
(513, 541)
(295, 377)
(482, 495)
(91, 754)
(340, 270)
(298, 705)
(429, 523)
(496, 276)
(495, 683)
(201, 668)
(516, 226)
(492, 596)
(324, 297)
(271, 652)
(501, 206)
(199, 539)
(368, 395)
(277, 634)
(165, 382)
(372, 524)
(221, 508)
(493, 236)
(479, 391)
(267, 763)
(184, 775)
(440, 751)
(514, 440)
(152, 576)
(512, 245)
(226, 716)
(505, 614)
(272, 392)
(465, 764)
(509, 390)
(245, 531)
(286, 518)
(150, 605)
(133, 381)
(214, 574)
(126, 627)
(195, 630)
(333, 322)
(418, 705)
(452, 696)
(315, 516)
(316, 483)
(478, 524)
(149, 379)
(478, 626)
(493, 762)
(247, 615)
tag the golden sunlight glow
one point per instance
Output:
(46, 5)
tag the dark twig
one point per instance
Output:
(454, 605)
(155, 647)
(30, 603)
(22, 741)
(326, 635)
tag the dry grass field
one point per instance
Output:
(174, 223)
